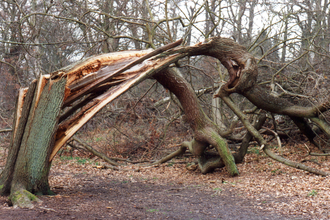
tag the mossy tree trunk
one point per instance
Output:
(28, 164)
(205, 131)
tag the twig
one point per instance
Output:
(166, 128)
(107, 166)
(178, 152)
(6, 130)
(277, 138)
(129, 161)
(285, 92)
(133, 108)
(140, 161)
(47, 209)
(319, 155)
(313, 161)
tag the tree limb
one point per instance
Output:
(95, 152)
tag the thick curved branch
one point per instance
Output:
(266, 101)
(205, 131)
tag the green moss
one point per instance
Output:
(66, 158)
(16, 196)
(23, 198)
(225, 154)
(1, 186)
(31, 196)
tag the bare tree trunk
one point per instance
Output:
(217, 115)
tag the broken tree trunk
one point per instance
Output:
(21, 115)
(53, 108)
(33, 140)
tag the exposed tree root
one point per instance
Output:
(23, 199)
(195, 147)
(210, 161)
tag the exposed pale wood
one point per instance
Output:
(104, 99)
(92, 64)
(109, 76)
(20, 101)
(42, 81)
(113, 67)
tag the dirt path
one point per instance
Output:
(263, 190)
(116, 198)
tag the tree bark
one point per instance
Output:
(28, 164)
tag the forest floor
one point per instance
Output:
(265, 189)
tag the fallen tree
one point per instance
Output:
(56, 106)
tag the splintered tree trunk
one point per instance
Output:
(28, 162)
